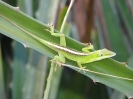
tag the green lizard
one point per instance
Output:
(81, 57)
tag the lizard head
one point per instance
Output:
(98, 55)
(104, 53)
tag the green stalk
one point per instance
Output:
(67, 13)
(2, 89)
(46, 94)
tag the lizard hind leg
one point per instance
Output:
(53, 33)
(59, 59)
(61, 35)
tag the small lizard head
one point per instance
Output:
(104, 53)
(98, 55)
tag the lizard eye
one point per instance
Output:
(101, 54)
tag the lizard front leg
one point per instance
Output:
(81, 68)
(88, 48)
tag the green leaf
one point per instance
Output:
(117, 95)
(126, 16)
(2, 88)
(46, 13)
(19, 70)
(107, 71)
(114, 30)
(130, 61)
(31, 25)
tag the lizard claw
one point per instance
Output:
(95, 81)
(87, 44)
(59, 64)
(51, 60)
(82, 68)
(47, 30)
(50, 24)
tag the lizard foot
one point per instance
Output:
(82, 68)
(87, 44)
(51, 60)
(47, 30)
(58, 63)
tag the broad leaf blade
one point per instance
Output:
(107, 66)
(111, 73)
(31, 25)
(114, 31)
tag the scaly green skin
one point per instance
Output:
(80, 57)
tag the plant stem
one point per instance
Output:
(65, 18)
(49, 80)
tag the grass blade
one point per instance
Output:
(2, 88)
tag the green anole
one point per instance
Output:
(81, 57)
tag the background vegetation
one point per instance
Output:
(104, 23)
